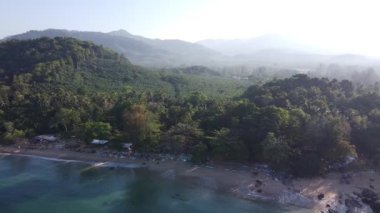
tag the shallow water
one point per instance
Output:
(39, 185)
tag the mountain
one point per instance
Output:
(280, 50)
(267, 50)
(139, 50)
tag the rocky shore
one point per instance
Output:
(336, 192)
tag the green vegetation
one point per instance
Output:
(300, 124)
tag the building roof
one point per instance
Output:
(97, 141)
(49, 138)
(127, 145)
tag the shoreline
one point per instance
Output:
(240, 180)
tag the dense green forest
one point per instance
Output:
(299, 124)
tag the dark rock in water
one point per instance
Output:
(352, 203)
(177, 196)
(259, 191)
(321, 196)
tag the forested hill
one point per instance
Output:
(69, 62)
(82, 65)
(300, 124)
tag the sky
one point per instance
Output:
(345, 25)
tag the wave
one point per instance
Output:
(94, 164)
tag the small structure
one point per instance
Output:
(127, 146)
(99, 142)
(45, 138)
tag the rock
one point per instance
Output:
(332, 211)
(321, 196)
(258, 183)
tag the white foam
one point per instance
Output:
(93, 163)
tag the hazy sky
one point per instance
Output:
(351, 26)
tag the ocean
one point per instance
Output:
(31, 184)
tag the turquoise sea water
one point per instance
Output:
(38, 185)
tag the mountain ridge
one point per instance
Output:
(267, 50)
(138, 49)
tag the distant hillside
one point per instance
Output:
(280, 50)
(256, 44)
(140, 50)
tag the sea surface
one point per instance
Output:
(29, 184)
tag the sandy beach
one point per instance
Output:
(335, 192)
